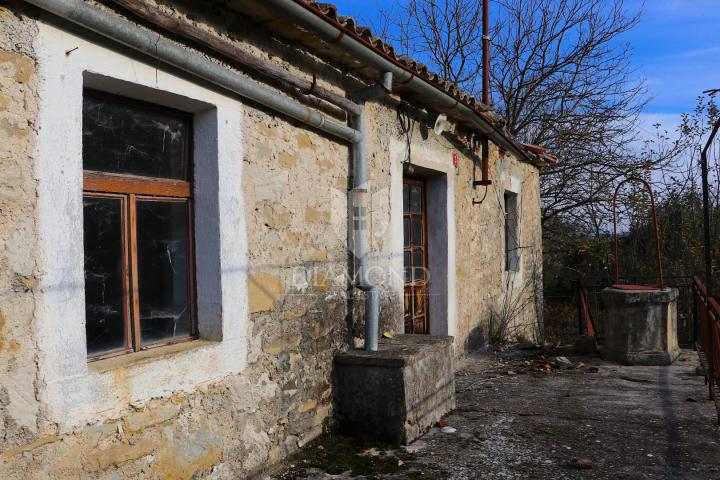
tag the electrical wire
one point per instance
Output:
(407, 126)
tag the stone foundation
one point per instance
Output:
(641, 326)
(397, 393)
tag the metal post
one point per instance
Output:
(706, 210)
(710, 354)
(580, 312)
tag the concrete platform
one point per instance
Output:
(641, 326)
(630, 422)
(397, 393)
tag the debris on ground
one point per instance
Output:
(581, 463)
(560, 425)
(561, 362)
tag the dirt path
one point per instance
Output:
(515, 422)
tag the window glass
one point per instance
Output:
(407, 267)
(415, 199)
(124, 136)
(417, 233)
(406, 231)
(104, 319)
(512, 252)
(417, 263)
(163, 270)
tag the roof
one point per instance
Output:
(388, 50)
(348, 23)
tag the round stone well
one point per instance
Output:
(641, 325)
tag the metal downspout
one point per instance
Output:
(360, 193)
(336, 35)
(155, 46)
(359, 222)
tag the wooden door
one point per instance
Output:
(417, 279)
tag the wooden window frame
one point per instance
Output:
(130, 189)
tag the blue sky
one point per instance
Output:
(677, 51)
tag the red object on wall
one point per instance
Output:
(456, 160)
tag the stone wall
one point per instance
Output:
(19, 408)
(294, 186)
(488, 294)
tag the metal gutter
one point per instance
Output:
(179, 26)
(334, 33)
(154, 45)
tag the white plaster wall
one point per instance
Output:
(72, 391)
(434, 157)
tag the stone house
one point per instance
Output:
(200, 205)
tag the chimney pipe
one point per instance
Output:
(486, 53)
(486, 91)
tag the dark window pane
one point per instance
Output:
(131, 138)
(415, 199)
(406, 229)
(417, 233)
(104, 325)
(407, 267)
(406, 194)
(163, 270)
(418, 270)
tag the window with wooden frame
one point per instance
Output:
(137, 208)
(512, 246)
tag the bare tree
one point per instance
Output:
(562, 78)
(448, 34)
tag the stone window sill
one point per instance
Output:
(146, 356)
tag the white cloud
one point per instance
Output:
(648, 130)
(700, 52)
(696, 7)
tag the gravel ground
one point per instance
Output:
(516, 418)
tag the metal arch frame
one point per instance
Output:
(655, 224)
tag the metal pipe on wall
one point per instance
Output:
(359, 220)
(155, 46)
(335, 34)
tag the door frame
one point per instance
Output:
(413, 286)
(432, 163)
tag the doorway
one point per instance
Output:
(415, 256)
